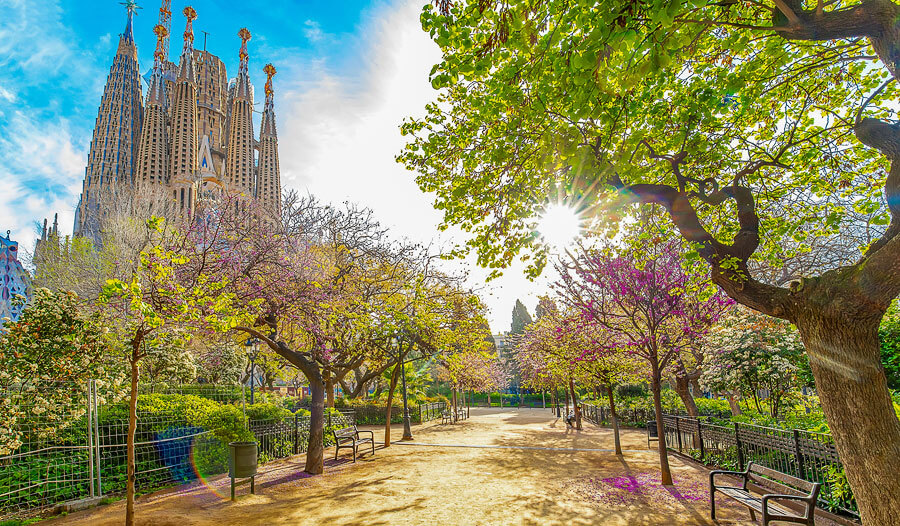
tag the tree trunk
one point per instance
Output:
(489, 399)
(682, 387)
(315, 450)
(665, 471)
(566, 389)
(389, 409)
(734, 404)
(543, 400)
(556, 400)
(132, 426)
(455, 406)
(614, 417)
(575, 405)
(844, 354)
(329, 389)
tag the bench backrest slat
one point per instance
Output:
(345, 432)
(787, 484)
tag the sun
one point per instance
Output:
(559, 226)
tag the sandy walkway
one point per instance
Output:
(518, 467)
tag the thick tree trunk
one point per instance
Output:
(665, 471)
(389, 409)
(844, 355)
(129, 440)
(543, 400)
(575, 406)
(682, 387)
(315, 450)
(489, 399)
(614, 417)
(566, 389)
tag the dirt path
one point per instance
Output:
(500, 467)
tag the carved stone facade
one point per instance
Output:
(193, 138)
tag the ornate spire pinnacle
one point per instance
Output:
(130, 6)
(244, 33)
(268, 119)
(191, 15)
(157, 91)
(270, 72)
(186, 69)
(243, 78)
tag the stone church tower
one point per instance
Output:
(114, 145)
(194, 138)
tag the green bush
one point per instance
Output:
(836, 491)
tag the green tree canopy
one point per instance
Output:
(520, 318)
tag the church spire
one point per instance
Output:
(186, 66)
(240, 169)
(243, 80)
(268, 180)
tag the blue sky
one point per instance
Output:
(349, 71)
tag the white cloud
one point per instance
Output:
(42, 175)
(7, 95)
(340, 134)
(313, 31)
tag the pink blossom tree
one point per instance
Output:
(646, 305)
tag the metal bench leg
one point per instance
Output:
(373, 448)
(253, 485)
(232, 488)
(336, 448)
(354, 452)
(752, 515)
(712, 503)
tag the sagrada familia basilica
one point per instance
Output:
(190, 138)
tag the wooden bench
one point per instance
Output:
(446, 417)
(790, 488)
(348, 438)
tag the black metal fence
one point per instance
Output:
(432, 411)
(376, 414)
(74, 447)
(803, 454)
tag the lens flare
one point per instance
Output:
(559, 226)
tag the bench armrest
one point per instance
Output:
(712, 476)
(371, 433)
(808, 499)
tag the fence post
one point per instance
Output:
(90, 437)
(799, 454)
(96, 398)
(677, 430)
(700, 437)
(296, 434)
(740, 447)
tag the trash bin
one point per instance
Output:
(652, 432)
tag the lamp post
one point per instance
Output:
(252, 343)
